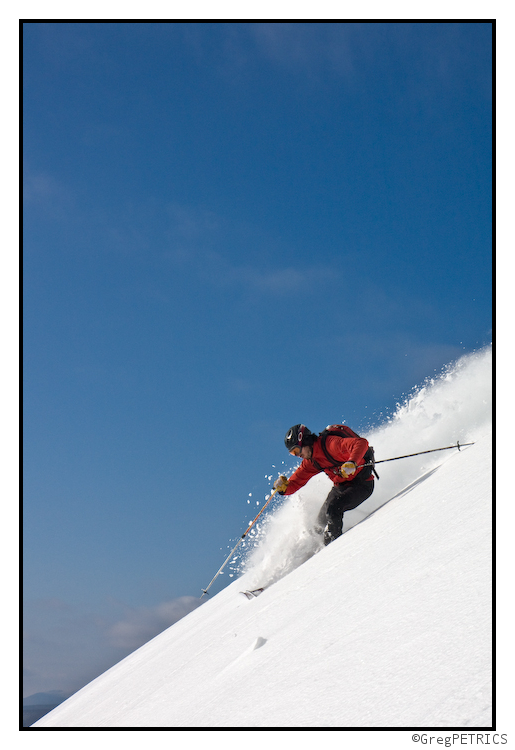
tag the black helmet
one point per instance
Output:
(297, 436)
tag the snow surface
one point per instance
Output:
(388, 627)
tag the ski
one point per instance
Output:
(252, 594)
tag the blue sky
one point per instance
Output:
(229, 228)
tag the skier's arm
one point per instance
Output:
(300, 476)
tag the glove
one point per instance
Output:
(347, 469)
(280, 484)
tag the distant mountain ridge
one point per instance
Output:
(37, 705)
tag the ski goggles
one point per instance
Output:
(295, 451)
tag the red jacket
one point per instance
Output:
(342, 449)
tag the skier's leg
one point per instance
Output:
(341, 498)
(330, 517)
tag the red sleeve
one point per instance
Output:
(300, 476)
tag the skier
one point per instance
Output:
(339, 452)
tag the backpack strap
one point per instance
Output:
(345, 432)
(337, 431)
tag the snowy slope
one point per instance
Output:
(387, 627)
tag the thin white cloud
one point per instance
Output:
(144, 623)
(195, 236)
(310, 47)
(191, 223)
(66, 647)
(43, 190)
(281, 280)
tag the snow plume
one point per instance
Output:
(455, 406)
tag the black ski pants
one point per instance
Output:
(342, 497)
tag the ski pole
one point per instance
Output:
(409, 455)
(204, 591)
